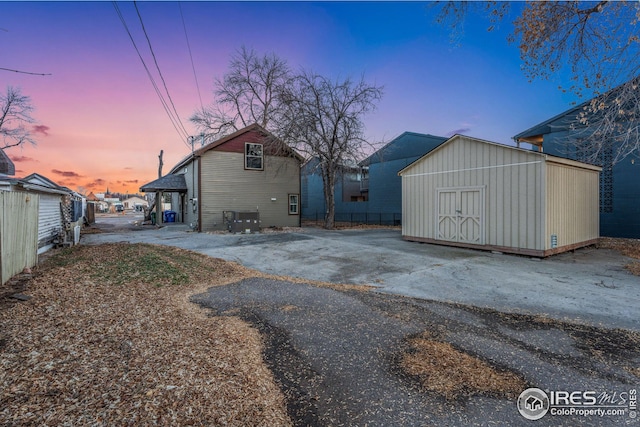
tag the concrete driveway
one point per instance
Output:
(589, 286)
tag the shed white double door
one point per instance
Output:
(459, 214)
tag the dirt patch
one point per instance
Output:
(15, 285)
(91, 229)
(110, 338)
(627, 247)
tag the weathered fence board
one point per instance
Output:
(18, 232)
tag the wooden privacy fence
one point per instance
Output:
(18, 232)
(90, 213)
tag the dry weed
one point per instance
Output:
(109, 338)
(443, 369)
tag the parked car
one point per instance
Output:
(119, 208)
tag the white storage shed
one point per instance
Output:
(480, 194)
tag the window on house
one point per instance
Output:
(293, 204)
(253, 158)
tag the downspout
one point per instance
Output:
(199, 192)
(199, 204)
(299, 194)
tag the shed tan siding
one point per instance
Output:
(528, 197)
(573, 204)
(229, 187)
(514, 208)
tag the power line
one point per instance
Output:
(193, 67)
(155, 61)
(26, 72)
(183, 135)
(153, 83)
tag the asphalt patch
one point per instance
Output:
(335, 354)
(269, 239)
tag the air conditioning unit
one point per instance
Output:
(242, 222)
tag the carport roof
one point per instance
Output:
(168, 183)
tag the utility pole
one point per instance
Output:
(159, 193)
(160, 164)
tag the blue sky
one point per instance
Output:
(99, 105)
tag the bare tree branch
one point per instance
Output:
(598, 43)
(325, 120)
(15, 115)
(310, 113)
(246, 94)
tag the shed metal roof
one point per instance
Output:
(544, 156)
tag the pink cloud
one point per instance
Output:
(96, 183)
(66, 174)
(18, 159)
(41, 129)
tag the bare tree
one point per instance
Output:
(608, 126)
(15, 118)
(598, 43)
(309, 113)
(246, 94)
(325, 120)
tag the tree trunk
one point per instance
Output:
(329, 178)
(160, 164)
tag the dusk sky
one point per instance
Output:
(101, 124)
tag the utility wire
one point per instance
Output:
(183, 135)
(152, 80)
(155, 61)
(27, 72)
(193, 67)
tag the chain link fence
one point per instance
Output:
(356, 218)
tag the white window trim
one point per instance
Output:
(296, 204)
(247, 156)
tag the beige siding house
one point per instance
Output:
(479, 194)
(245, 175)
